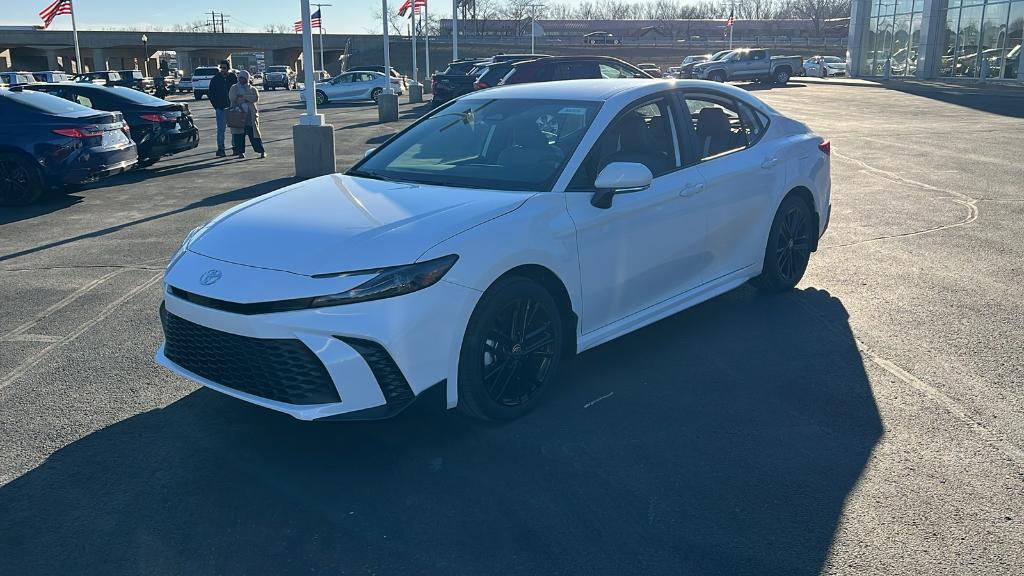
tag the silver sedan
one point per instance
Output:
(353, 87)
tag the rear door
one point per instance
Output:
(743, 177)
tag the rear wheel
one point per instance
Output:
(375, 94)
(511, 352)
(781, 76)
(321, 98)
(789, 247)
(20, 183)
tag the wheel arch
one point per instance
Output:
(804, 194)
(554, 285)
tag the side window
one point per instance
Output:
(716, 125)
(83, 100)
(645, 135)
(577, 71)
(612, 71)
(757, 55)
(752, 123)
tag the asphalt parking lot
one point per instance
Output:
(870, 422)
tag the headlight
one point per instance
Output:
(392, 282)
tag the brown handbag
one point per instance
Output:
(238, 117)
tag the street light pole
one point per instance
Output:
(145, 56)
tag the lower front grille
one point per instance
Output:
(394, 386)
(283, 369)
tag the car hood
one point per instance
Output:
(340, 223)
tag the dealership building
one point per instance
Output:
(937, 39)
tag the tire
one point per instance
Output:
(197, 95)
(781, 76)
(321, 98)
(789, 247)
(503, 373)
(375, 94)
(20, 182)
(146, 162)
(717, 76)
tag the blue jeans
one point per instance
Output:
(222, 125)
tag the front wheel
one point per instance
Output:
(375, 94)
(321, 98)
(717, 76)
(511, 351)
(789, 247)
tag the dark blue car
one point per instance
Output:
(47, 142)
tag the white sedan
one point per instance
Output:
(353, 87)
(480, 247)
(822, 66)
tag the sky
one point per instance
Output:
(345, 16)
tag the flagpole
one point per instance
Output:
(78, 51)
(415, 71)
(426, 40)
(732, 11)
(322, 65)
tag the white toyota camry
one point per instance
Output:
(479, 247)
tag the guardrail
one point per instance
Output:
(704, 44)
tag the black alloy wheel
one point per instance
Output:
(19, 181)
(512, 350)
(321, 98)
(789, 247)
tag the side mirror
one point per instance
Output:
(620, 178)
(368, 152)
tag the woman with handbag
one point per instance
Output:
(244, 117)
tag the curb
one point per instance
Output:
(916, 86)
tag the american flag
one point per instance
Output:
(53, 10)
(408, 4)
(314, 21)
(728, 24)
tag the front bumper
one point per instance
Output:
(379, 355)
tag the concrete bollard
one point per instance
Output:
(314, 150)
(387, 107)
(415, 93)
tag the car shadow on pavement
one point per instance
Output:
(236, 195)
(755, 86)
(722, 440)
(53, 202)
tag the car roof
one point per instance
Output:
(591, 58)
(608, 89)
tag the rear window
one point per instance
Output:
(136, 96)
(278, 69)
(45, 103)
(204, 72)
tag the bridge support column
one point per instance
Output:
(51, 60)
(99, 60)
(184, 58)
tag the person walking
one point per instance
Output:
(220, 99)
(244, 96)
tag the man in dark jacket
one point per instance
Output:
(219, 86)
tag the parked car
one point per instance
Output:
(353, 87)
(100, 77)
(17, 78)
(750, 64)
(594, 244)
(600, 37)
(47, 142)
(457, 79)
(686, 68)
(185, 84)
(52, 76)
(394, 73)
(652, 69)
(823, 66)
(279, 77)
(201, 80)
(484, 74)
(257, 79)
(571, 68)
(134, 79)
(158, 127)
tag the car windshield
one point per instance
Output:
(500, 144)
(46, 103)
(136, 96)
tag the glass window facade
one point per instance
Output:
(893, 34)
(982, 36)
(974, 37)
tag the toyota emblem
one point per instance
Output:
(210, 277)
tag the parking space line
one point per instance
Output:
(88, 287)
(36, 358)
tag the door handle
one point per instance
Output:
(769, 163)
(691, 189)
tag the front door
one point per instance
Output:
(649, 245)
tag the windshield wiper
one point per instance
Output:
(365, 174)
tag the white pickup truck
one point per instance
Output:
(751, 64)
